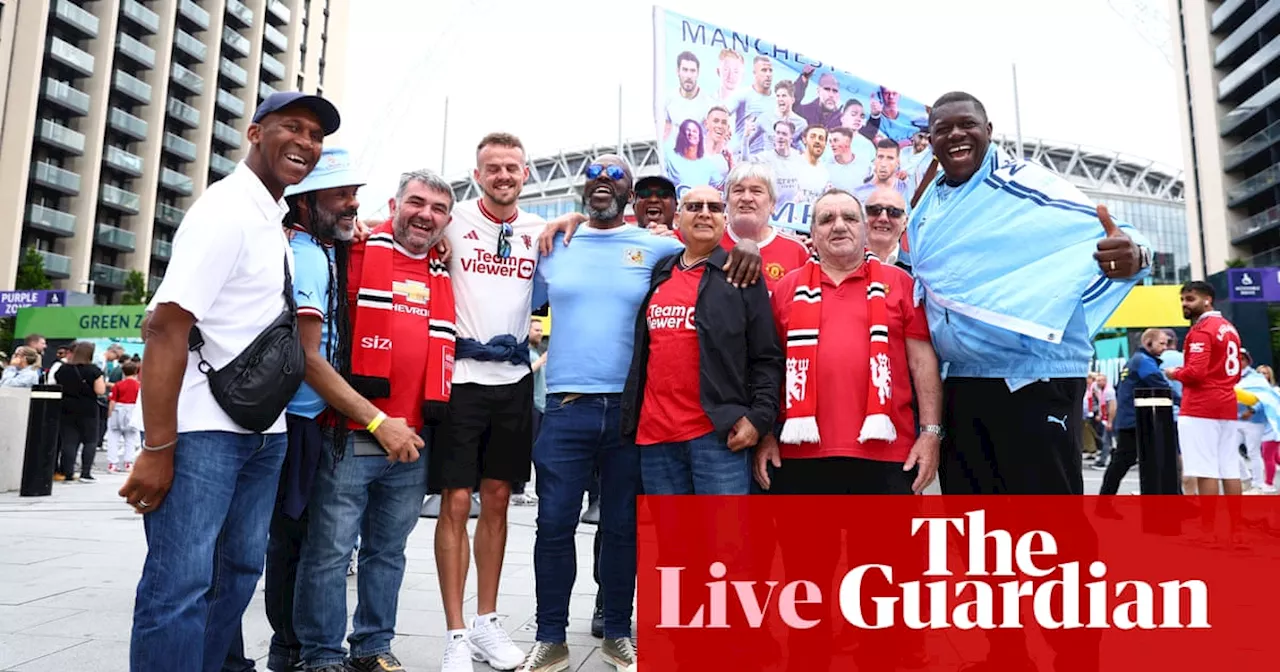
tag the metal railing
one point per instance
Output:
(221, 165)
(65, 95)
(124, 161)
(233, 72)
(127, 124)
(134, 48)
(71, 56)
(226, 134)
(230, 102)
(51, 220)
(239, 11)
(116, 238)
(169, 214)
(180, 146)
(55, 265)
(59, 179)
(272, 66)
(133, 87)
(275, 38)
(175, 181)
(140, 15)
(189, 44)
(194, 13)
(121, 199)
(183, 112)
(187, 79)
(109, 276)
(76, 17)
(57, 135)
(1253, 186)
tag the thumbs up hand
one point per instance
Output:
(1118, 256)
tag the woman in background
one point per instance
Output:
(23, 369)
(82, 383)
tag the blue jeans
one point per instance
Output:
(377, 501)
(206, 545)
(575, 436)
(701, 466)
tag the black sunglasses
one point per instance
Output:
(875, 210)
(504, 245)
(698, 206)
(650, 192)
(614, 172)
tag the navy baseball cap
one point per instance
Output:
(655, 181)
(323, 109)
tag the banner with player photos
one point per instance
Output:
(722, 97)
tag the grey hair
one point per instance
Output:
(748, 170)
(428, 178)
(835, 191)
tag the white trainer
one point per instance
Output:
(491, 644)
(457, 656)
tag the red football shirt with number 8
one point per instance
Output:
(1212, 369)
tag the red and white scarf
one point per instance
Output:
(801, 424)
(375, 306)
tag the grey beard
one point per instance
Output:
(608, 214)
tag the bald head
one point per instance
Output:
(1155, 341)
(886, 220)
(702, 219)
(607, 190)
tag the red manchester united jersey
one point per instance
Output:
(779, 255)
(1211, 370)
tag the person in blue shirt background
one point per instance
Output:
(1143, 370)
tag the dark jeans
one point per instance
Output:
(518, 488)
(77, 431)
(205, 549)
(577, 432)
(1123, 459)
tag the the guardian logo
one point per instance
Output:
(1037, 590)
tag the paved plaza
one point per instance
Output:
(69, 564)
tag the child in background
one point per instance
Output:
(123, 439)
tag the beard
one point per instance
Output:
(500, 200)
(328, 225)
(608, 214)
(402, 231)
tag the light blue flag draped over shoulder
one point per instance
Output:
(1268, 398)
(1013, 248)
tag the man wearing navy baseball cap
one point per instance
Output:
(204, 483)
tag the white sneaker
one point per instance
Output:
(1255, 491)
(457, 656)
(491, 644)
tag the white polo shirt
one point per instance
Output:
(227, 269)
(491, 294)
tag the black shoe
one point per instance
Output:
(592, 514)
(88, 478)
(597, 618)
(383, 662)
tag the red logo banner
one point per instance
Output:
(999, 584)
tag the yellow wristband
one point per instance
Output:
(376, 422)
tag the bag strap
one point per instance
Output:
(929, 174)
(195, 339)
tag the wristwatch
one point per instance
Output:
(936, 430)
(1144, 257)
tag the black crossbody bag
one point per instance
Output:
(255, 387)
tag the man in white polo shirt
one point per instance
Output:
(488, 436)
(206, 485)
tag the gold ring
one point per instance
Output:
(1113, 264)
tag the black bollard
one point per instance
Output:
(40, 454)
(1157, 439)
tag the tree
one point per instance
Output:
(135, 289)
(31, 272)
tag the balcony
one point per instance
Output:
(108, 276)
(56, 265)
(264, 90)
(51, 220)
(1245, 32)
(1224, 12)
(133, 48)
(231, 103)
(233, 72)
(153, 283)
(277, 11)
(65, 96)
(240, 13)
(123, 161)
(169, 215)
(272, 67)
(73, 16)
(187, 79)
(193, 13)
(71, 56)
(56, 135)
(55, 178)
(176, 182)
(127, 124)
(184, 113)
(1253, 186)
(179, 147)
(142, 17)
(116, 239)
(1250, 147)
(161, 250)
(227, 135)
(189, 45)
(133, 87)
(221, 165)
(275, 38)
(1249, 109)
(1247, 228)
(235, 41)
(1247, 70)
(121, 200)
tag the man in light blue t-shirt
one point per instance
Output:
(596, 288)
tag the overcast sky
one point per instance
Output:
(550, 71)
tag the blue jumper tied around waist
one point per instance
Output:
(501, 348)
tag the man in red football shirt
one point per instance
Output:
(752, 198)
(1207, 417)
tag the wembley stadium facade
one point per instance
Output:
(1142, 192)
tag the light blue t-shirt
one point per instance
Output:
(312, 264)
(596, 285)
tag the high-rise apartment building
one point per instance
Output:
(116, 114)
(1228, 60)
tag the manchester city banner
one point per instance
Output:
(722, 97)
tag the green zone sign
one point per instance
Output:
(82, 322)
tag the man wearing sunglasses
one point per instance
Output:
(886, 221)
(655, 205)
